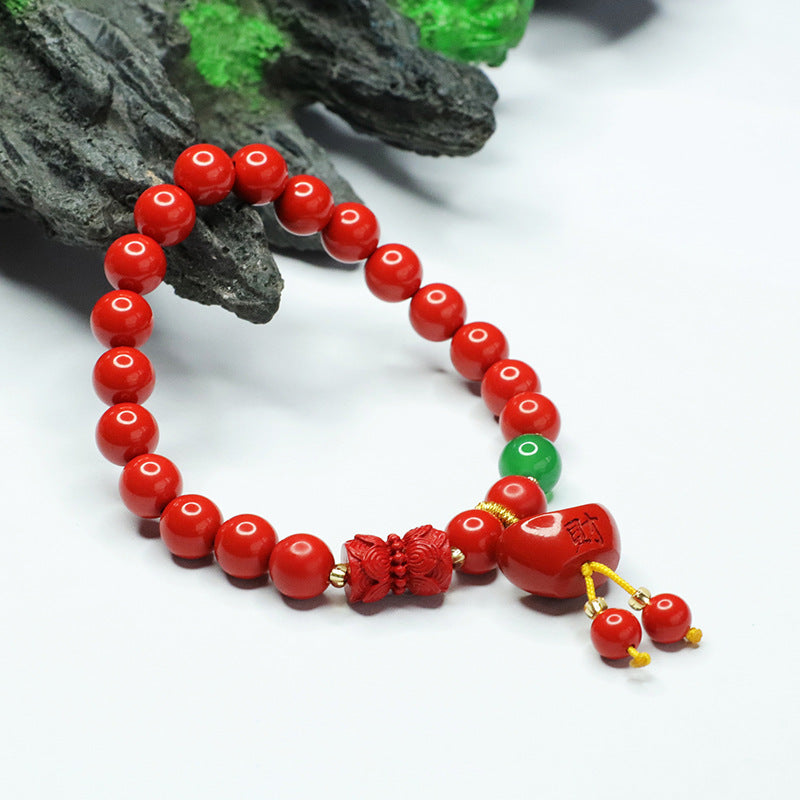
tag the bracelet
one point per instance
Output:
(551, 554)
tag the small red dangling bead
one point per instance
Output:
(136, 263)
(475, 534)
(522, 496)
(148, 483)
(123, 375)
(300, 566)
(393, 273)
(475, 347)
(437, 311)
(243, 546)
(189, 524)
(614, 631)
(352, 233)
(122, 319)
(305, 206)
(504, 379)
(126, 430)
(666, 618)
(205, 172)
(165, 213)
(530, 412)
(261, 174)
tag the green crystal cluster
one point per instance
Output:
(475, 31)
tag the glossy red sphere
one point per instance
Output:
(475, 347)
(503, 380)
(148, 483)
(136, 263)
(352, 233)
(520, 495)
(205, 172)
(666, 618)
(243, 546)
(437, 311)
(123, 375)
(261, 174)
(530, 412)
(126, 430)
(122, 319)
(165, 213)
(543, 554)
(475, 534)
(305, 206)
(300, 566)
(614, 631)
(393, 273)
(189, 524)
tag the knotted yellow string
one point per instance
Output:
(638, 659)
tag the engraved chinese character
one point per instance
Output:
(584, 530)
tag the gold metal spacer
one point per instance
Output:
(594, 607)
(458, 558)
(505, 515)
(639, 599)
(338, 576)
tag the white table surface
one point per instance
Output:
(632, 227)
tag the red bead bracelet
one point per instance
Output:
(551, 554)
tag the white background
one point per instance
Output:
(632, 227)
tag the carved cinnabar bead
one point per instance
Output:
(420, 562)
(543, 554)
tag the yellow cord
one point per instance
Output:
(638, 659)
(694, 635)
(586, 571)
(596, 566)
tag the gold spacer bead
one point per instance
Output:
(639, 599)
(505, 515)
(338, 576)
(458, 558)
(594, 607)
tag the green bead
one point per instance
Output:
(533, 456)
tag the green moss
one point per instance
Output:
(469, 30)
(16, 7)
(229, 47)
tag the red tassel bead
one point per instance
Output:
(437, 311)
(522, 496)
(205, 172)
(136, 263)
(123, 375)
(666, 618)
(165, 213)
(300, 566)
(122, 319)
(261, 174)
(126, 430)
(243, 546)
(351, 234)
(393, 273)
(530, 412)
(503, 380)
(188, 526)
(475, 534)
(475, 347)
(614, 631)
(148, 483)
(306, 205)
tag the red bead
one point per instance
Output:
(300, 566)
(305, 206)
(164, 213)
(475, 347)
(522, 496)
(393, 273)
(136, 263)
(243, 546)
(122, 319)
(261, 174)
(189, 524)
(125, 431)
(351, 234)
(614, 631)
(543, 554)
(205, 172)
(437, 311)
(504, 379)
(666, 618)
(148, 483)
(475, 534)
(530, 412)
(123, 375)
